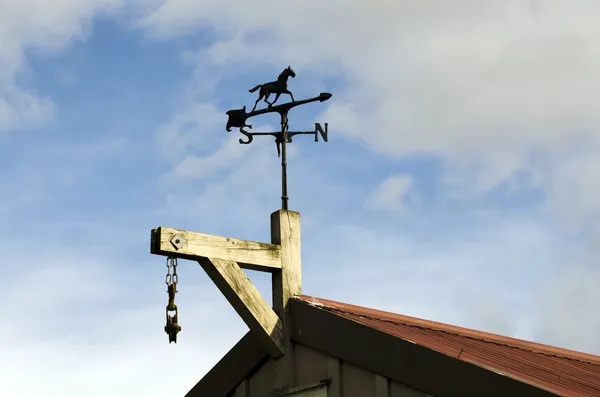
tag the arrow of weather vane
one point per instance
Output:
(239, 117)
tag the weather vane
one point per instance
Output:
(238, 118)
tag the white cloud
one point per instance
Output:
(57, 167)
(244, 184)
(229, 154)
(19, 108)
(193, 128)
(481, 84)
(36, 25)
(391, 194)
(503, 276)
(203, 167)
(240, 181)
(76, 319)
(567, 305)
(573, 191)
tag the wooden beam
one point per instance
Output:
(287, 282)
(285, 232)
(247, 301)
(194, 246)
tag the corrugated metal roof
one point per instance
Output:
(564, 372)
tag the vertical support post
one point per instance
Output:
(287, 282)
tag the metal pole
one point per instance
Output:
(284, 193)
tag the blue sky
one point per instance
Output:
(459, 183)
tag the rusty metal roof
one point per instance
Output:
(561, 371)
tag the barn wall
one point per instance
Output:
(312, 366)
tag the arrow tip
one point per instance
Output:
(324, 96)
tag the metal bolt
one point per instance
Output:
(177, 241)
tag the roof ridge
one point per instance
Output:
(499, 340)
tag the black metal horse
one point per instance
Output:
(274, 87)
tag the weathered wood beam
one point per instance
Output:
(285, 233)
(247, 301)
(194, 246)
(287, 282)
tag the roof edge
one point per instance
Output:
(395, 358)
(242, 359)
(442, 327)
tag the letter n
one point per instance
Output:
(320, 130)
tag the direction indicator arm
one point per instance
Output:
(284, 107)
(238, 117)
(318, 130)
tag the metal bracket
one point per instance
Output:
(178, 241)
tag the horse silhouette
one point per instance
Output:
(274, 87)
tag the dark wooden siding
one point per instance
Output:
(311, 366)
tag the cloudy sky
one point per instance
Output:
(459, 183)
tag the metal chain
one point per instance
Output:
(171, 278)
(174, 276)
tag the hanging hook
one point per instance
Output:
(172, 327)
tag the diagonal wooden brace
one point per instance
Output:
(247, 301)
